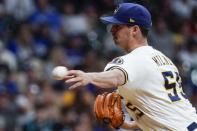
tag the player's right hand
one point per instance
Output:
(77, 78)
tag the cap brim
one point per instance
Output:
(110, 20)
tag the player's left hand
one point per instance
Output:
(77, 78)
(108, 109)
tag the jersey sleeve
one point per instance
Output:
(132, 67)
(118, 63)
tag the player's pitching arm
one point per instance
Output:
(107, 79)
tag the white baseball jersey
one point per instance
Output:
(152, 91)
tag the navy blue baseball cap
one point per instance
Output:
(130, 14)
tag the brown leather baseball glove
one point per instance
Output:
(108, 109)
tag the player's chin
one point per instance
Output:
(114, 37)
(117, 42)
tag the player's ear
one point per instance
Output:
(136, 28)
(133, 30)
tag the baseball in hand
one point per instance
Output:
(59, 72)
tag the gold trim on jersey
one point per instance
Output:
(121, 69)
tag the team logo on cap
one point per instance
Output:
(131, 20)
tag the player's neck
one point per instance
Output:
(135, 44)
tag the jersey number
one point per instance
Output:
(136, 111)
(173, 82)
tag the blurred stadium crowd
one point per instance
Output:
(37, 35)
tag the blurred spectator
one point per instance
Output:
(68, 118)
(42, 120)
(45, 14)
(2, 124)
(3, 22)
(25, 110)
(22, 44)
(183, 8)
(8, 112)
(8, 57)
(20, 9)
(43, 41)
(72, 22)
(193, 23)
(84, 123)
(76, 48)
(86, 64)
(188, 55)
(161, 38)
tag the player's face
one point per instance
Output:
(121, 35)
